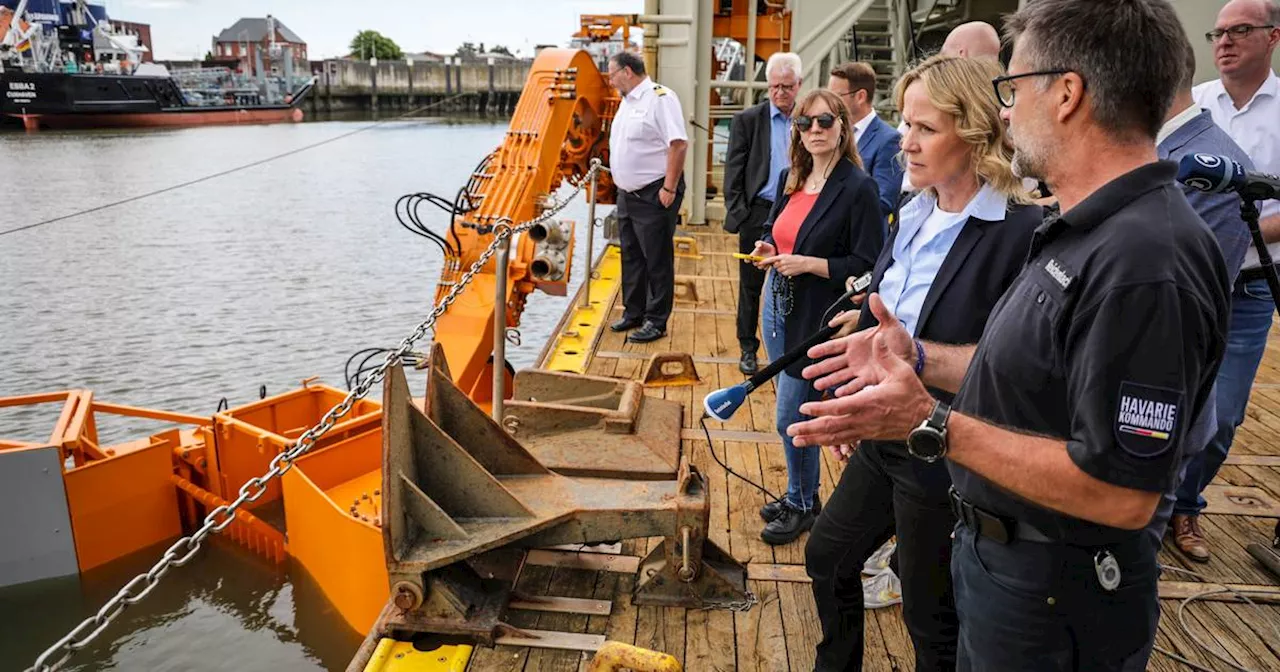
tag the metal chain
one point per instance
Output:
(186, 548)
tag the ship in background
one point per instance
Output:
(64, 64)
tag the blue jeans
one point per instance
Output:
(1251, 310)
(804, 465)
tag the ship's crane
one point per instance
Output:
(560, 124)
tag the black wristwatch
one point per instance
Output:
(928, 442)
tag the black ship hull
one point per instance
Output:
(62, 100)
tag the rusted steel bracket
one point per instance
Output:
(670, 369)
(457, 488)
(686, 291)
(594, 426)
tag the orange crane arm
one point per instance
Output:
(559, 125)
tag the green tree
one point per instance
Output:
(469, 49)
(500, 49)
(208, 56)
(370, 43)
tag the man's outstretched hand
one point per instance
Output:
(890, 403)
(846, 362)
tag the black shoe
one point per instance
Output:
(625, 324)
(646, 334)
(770, 512)
(747, 363)
(788, 526)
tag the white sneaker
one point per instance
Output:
(879, 561)
(882, 590)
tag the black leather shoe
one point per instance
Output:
(770, 512)
(747, 363)
(625, 325)
(788, 526)
(646, 334)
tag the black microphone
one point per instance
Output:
(724, 402)
(1219, 174)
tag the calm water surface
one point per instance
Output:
(262, 277)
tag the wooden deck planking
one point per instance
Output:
(780, 632)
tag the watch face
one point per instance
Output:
(927, 443)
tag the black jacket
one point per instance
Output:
(985, 259)
(845, 228)
(746, 164)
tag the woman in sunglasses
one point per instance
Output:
(956, 248)
(824, 227)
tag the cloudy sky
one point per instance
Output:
(183, 28)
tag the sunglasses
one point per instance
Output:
(804, 122)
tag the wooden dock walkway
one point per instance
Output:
(780, 632)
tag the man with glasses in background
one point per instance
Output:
(878, 142)
(759, 148)
(1245, 103)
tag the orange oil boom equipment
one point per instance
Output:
(559, 125)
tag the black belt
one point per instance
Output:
(992, 526)
(1251, 274)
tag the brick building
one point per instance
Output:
(269, 38)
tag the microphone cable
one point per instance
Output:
(707, 432)
(711, 448)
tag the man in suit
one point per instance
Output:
(1191, 130)
(759, 140)
(878, 142)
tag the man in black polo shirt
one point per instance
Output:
(1073, 409)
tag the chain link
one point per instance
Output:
(253, 489)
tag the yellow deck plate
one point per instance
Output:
(396, 656)
(572, 350)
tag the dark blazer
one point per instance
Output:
(878, 148)
(844, 227)
(746, 164)
(985, 259)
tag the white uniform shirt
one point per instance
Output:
(648, 120)
(1256, 128)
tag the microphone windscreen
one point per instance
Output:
(1211, 173)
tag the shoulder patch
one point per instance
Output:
(657, 89)
(1147, 419)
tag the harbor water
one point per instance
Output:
(262, 277)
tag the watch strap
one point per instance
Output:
(938, 418)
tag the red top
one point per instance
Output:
(787, 226)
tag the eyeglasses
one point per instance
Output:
(804, 122)
(1235, 32)
(1004, 85)
(783, 87)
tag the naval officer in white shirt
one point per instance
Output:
(647, 146)
(1245, 103)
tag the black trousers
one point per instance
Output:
(1033, 606)
(883, 489)
(645, 230)
(750, 278)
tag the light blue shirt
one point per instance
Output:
(779, 151)
(907, 281)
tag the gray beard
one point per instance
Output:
(1026, 165)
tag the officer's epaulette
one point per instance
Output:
(658, 90)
